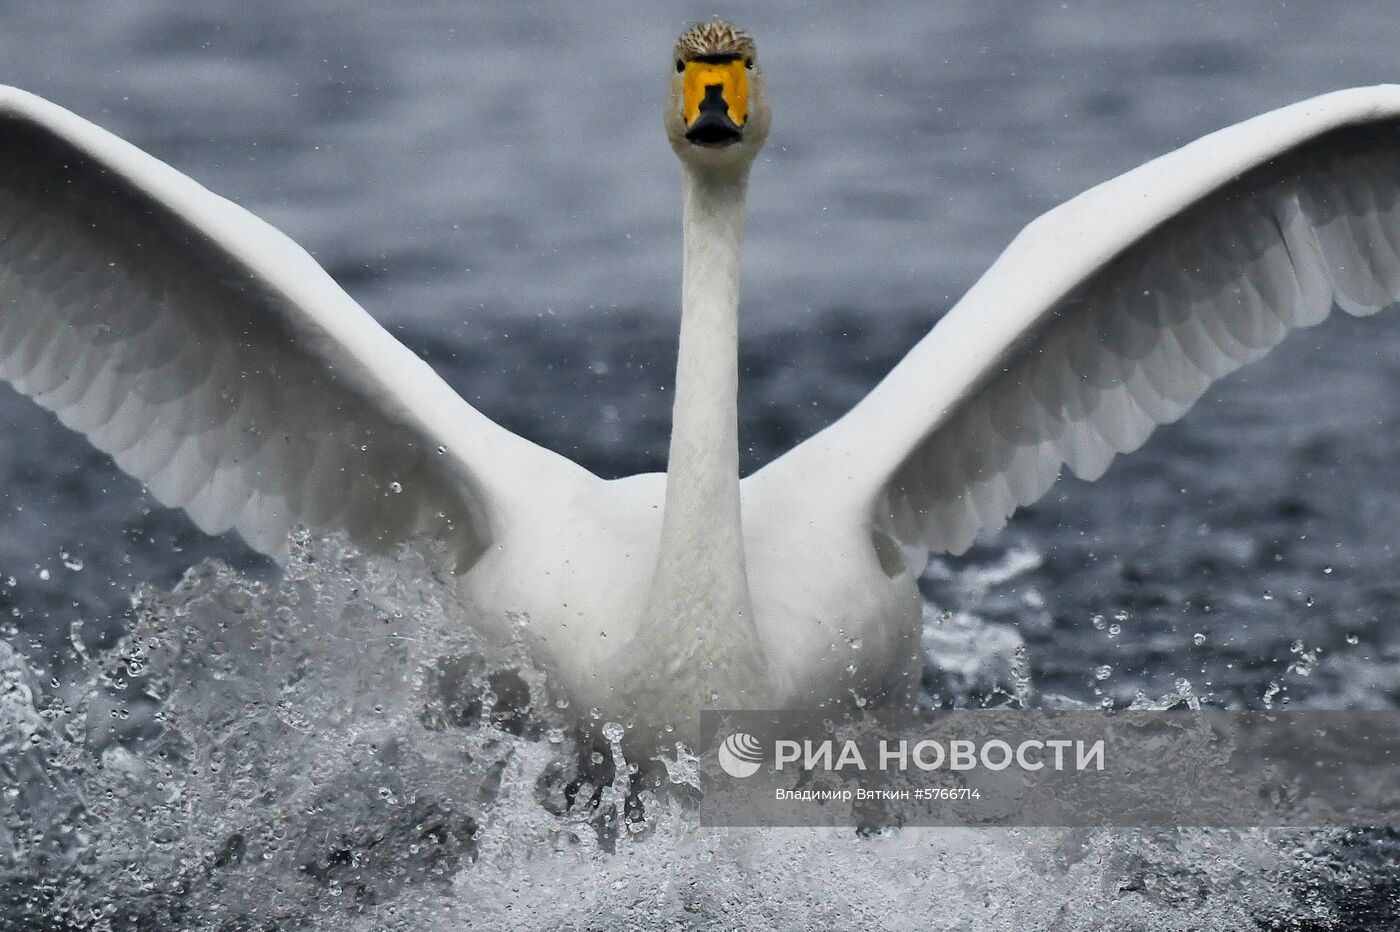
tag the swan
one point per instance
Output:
(215, 361)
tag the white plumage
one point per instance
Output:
(1114, 312)
(214, 359)
(220, 365)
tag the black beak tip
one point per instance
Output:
(712, 129)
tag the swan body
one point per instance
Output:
(218, 363)
(822, 572)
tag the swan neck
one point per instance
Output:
(702, 488)
(701, 557)
(704, 430)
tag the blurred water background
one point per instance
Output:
(491, 181)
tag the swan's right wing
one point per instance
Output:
(1113, 313)
(218, 363)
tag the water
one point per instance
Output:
(335, 751)
(494, 185)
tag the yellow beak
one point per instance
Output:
(714, 90)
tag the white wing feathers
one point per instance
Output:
(218, 363)
(1114, 312)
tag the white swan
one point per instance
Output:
(219, 364)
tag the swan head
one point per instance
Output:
(717, 114)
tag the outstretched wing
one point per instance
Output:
(218, 363)
(1114, 312)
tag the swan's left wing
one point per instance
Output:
(219, 364)
(1114, 312)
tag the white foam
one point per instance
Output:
(321, 753)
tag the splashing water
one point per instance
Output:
(335, 750)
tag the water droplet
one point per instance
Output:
(1021, 675)
(1103, 672)
(1307, 659)
(44, 574)
(395, 488)
(1186, 694)
(1327, 570)
(1353, 639)
(1114, 630)
(1198, 639)
(1099, 622)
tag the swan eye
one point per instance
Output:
(680, 66)
(748, 63)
